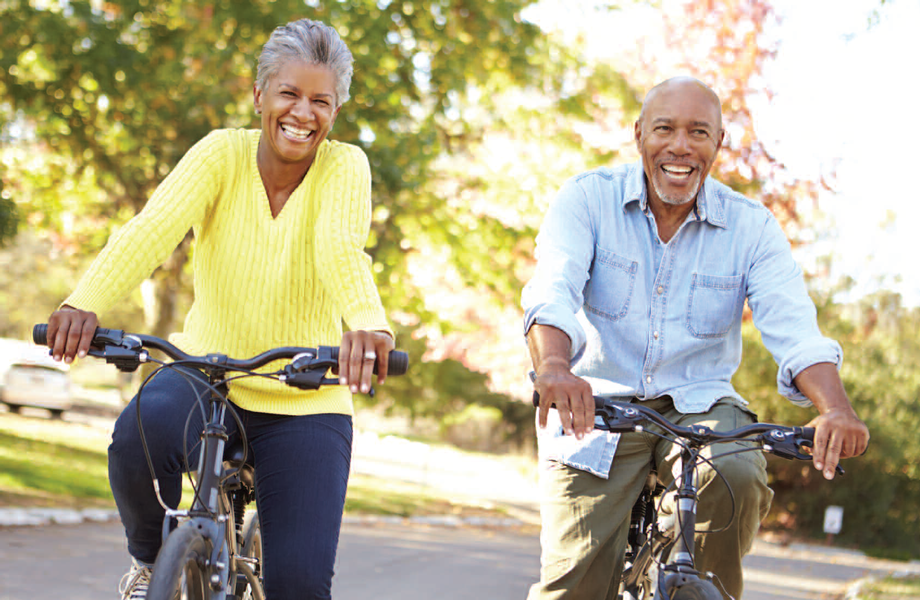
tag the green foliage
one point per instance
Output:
(126, 87)
(443, 390)
(881, 490)
(9, 219)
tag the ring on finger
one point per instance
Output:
(370, 355)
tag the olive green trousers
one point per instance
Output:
(585, 519)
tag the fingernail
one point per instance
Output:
(68, 360)
(818, 465)
(364, 388)
(829, 474)
(579, 435)
(343, 381)
(354, 389)
(82, 353)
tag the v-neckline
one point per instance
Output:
(263, 193)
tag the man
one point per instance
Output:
(639, 289)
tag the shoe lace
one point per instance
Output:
(134, 584)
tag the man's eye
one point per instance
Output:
(663, 128)
(289, 94)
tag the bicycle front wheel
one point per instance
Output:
(697, 590)
(252, 550)
(179, 572)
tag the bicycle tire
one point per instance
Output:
(252, 548)
(698, 589)
(179, 571)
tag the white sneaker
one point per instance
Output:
(134, 584)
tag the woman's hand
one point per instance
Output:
(359, 352)
(70, 332)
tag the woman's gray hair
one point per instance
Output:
(312, 42)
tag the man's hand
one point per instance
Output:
(70, 332)
(357, 355)
(571, 394)
(839, 434)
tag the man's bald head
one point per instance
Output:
(675, 84)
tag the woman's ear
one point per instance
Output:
(257, 98)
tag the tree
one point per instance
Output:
(880, 490)
(126, 87)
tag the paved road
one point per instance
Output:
(389, 561)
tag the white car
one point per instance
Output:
(30, 377)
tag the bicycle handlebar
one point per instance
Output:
(620, 416)
(124, 350)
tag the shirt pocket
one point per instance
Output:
(714, 303)
(610, 287)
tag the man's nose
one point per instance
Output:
(680, 143)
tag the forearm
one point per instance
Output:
(549, 346)
(821, 384)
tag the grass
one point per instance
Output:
(48, 463)
(891, 588)
(52, 464)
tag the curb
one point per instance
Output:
(436, 521)
(20, 517)
(25, 517)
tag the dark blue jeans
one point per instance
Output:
(302, 465)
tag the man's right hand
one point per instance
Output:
(70, 332)
(571, 394)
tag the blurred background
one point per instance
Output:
(473, 113)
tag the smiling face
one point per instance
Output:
(678, 135)
(298, 107)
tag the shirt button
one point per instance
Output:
(655, 335)
(648, 379)
(660, 289)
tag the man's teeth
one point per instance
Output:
(300, 134)
(676, 169)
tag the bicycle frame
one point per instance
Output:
(678, 570)
(212, 513)
(207, 545)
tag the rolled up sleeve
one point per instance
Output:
(784, 313)
(565, 249)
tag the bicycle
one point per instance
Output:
(660, 552)
(213, 549)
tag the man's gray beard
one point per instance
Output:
(673, 200)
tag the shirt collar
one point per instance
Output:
(710, 205)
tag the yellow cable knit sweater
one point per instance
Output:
(260, 282)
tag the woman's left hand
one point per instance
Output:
(359, 352)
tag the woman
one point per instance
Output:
(280, 217)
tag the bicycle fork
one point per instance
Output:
(209, 513)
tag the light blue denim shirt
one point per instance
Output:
(649, 319)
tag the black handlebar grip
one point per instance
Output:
(397, 365)
(40, 334)
(808, 433)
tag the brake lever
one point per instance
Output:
(788, 445)
(126, 352)
(617, 419)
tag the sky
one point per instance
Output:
(845, 94)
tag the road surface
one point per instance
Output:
(398, 561)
